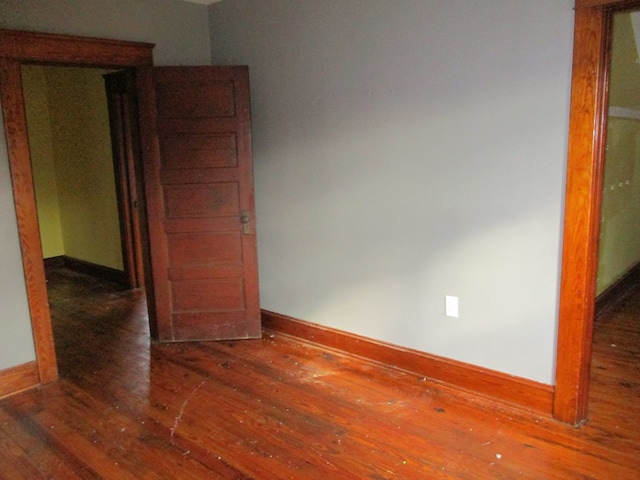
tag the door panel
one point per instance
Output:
(213, 151)
(200, 203)
(186, 201)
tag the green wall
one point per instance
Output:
(73, 167)
(620, 227)
(34, 83)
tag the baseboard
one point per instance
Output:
(19, 378)
(88, 268)
(499, 386)
(618, 289)
(51, 263)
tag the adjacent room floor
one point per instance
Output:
(279, 408)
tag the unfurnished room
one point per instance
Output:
(299, 239)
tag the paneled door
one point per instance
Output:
(197, 168)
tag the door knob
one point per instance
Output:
(245, 219)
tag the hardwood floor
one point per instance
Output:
(278, 408)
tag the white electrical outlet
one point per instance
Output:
(451, 306)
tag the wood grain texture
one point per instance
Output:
(499, 386)
(17, 47)
(582, 204)
(66, 49)
(280, 408)
(16, 379)
(127, 161)
(26, 213)
(581, 223)
(199, 185)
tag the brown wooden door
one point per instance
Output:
(198, 175)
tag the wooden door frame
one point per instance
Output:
(17, 48)
(583, 198)
(125, 144)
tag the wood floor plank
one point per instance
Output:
(280, 408)
(34, 454)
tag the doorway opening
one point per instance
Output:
(83, 150)
(83, 158)
(18, 49)
(199, 248)
(619, 238)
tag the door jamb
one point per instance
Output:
(587, 131)
(125, 143)
(17, 47)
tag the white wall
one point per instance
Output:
(180, 32)
(405, 151)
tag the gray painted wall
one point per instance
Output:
(405, 151)
(180, 31)
(16, 339)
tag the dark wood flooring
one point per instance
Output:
(279, 408)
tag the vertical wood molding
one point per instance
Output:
(26, 213)
(153, 253)
(123, 112)
(587, 131)
(582, 217)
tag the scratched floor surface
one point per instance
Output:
(278, 408)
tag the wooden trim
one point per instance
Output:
(618, 4)
(582, 217)
(587, 131)
(121, 99)
(618, 289)
(70, 50)
(31, 47)
(154, 252)
(19, 378)
(99, 271)
(26, 213)
(51, 263)
(496, 385)
(95, 270)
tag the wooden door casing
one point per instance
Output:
(587, 129)
(198, 176)
(123, 120)
(16, 48)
